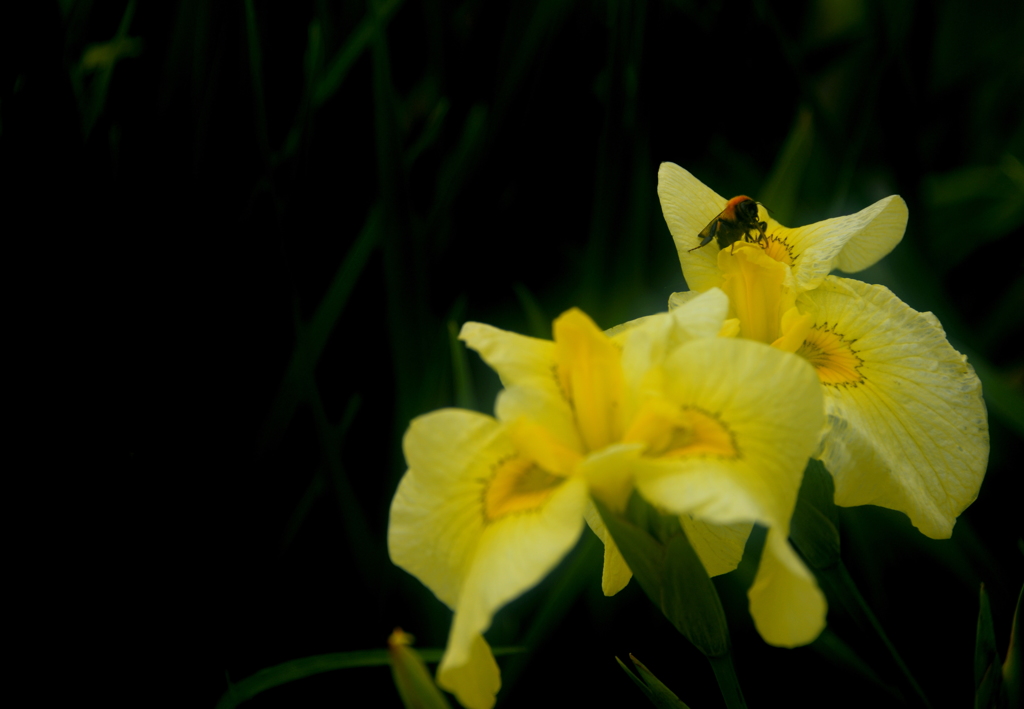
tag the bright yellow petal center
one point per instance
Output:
(590, 374)
(833, 357)
(754, 283)
(671, 431)
(517, 485)
(778, 248)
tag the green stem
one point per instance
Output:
(843, 586)
(725, 673)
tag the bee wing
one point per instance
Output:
(708, 233)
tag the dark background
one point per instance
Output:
(245, 233)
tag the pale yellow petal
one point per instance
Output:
(719, 546)
(609, 475)
(768, 403)
(517, 359)
(700, 316)
(537, 444)
(717, 491)
(851, 243)
(908, 428)
(436, 515)
(875, 241)
(475, 683)
(512, 555)
(617, 333)
(701, 319)
(681, 298)
(615, 572)
(689, 205)
(786, 604)
(647, 345)
(544, 406)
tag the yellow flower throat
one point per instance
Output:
(754, 277)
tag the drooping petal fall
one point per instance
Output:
(719, 546)
(478, 523)
(475, 682)
(908, 428)
(609, 477)
(749, 416)
(786, 604)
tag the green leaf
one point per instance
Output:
(814, 529)
(462, 381)
(690, 600)
(312, 338)
(780, 194)
(642, 552)
(558, 601)
(351, 50)
(988, 676)
(538, 324)
(660, 695)
(1012, 667)
(289, 671)
(292, 670)
(670, 573)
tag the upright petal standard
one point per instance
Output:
(850, 243)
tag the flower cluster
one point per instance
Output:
(907, 426)
(709, 412)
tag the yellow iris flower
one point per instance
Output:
(714, 430)
(907, 426)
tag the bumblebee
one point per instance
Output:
(737, 220)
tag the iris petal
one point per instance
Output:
(910, 431)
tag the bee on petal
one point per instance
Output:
(736, 221)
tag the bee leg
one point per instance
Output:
(712, 231)
(704, 242)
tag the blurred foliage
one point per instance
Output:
(262, 224)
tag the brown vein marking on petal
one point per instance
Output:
(563, 387)
(702, 434)
(833, 356)
(516, 486)
(779, 249)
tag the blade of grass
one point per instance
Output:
(310, 344)
(404, 277)
(584, 563)
(838, 585)
(365, 548)
(463, 382)
(538, 324)
(93, 106)
(256, 77)
(652, 687)
(783, 186)
(988, 677)
(343, 60)
(301, 668)
(318, 484)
